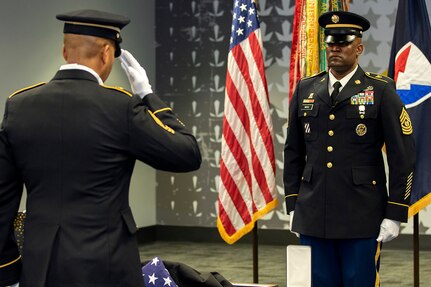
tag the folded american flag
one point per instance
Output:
(156, 275)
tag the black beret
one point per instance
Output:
(339, 25)
(95, 23)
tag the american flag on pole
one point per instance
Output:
(247, 165)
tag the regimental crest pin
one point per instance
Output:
(361, 130)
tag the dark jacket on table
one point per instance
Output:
(74, 144)
(334, 173)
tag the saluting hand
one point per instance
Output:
(136, 74)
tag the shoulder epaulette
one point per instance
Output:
(378, 77)
(26, 89)
(120, 89)
(314, 75)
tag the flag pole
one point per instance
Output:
(255, 238)
(416, 250)
(250, 148)
(255, 255)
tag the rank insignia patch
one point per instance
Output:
(406, 124)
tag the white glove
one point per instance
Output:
(136, 74)
(389, 229)
(291, 222)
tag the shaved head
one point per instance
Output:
(90, 51)
(82, 47)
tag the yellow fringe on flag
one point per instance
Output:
(419, 205)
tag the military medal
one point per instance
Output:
(363, 98)
(369, 97)
(361, 130)
(361, 110)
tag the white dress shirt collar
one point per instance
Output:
(82, 67)
(342, 81)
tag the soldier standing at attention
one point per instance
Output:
(334, 173)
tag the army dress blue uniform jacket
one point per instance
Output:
(334, 173)
(74, 144)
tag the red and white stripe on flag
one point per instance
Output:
(247, 165)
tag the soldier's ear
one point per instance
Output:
(359, 49)
(64, 51)
(105, 53)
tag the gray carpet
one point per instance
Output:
(235, 262)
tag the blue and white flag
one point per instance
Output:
(410, 67)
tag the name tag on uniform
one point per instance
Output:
(307, 107)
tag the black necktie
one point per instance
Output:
(334, 94)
